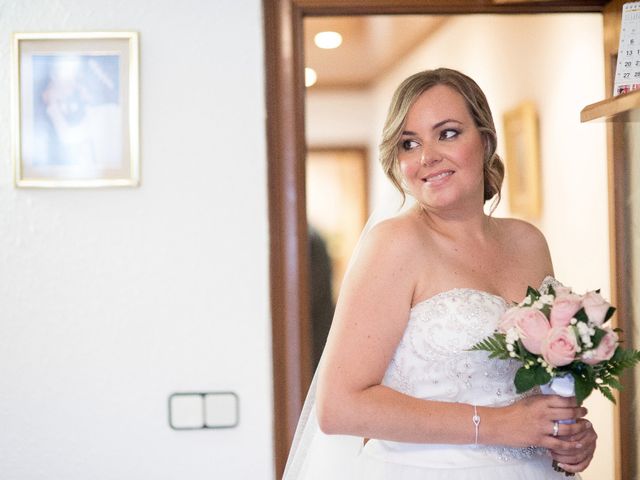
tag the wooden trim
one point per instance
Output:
(285, 154)
(624, 430)
(617, 267)
(611, 107)
(444, 7)
(612, 16)
(287, 222)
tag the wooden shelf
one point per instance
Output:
(606, 109)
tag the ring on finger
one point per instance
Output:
(556, 427)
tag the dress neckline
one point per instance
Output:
(472, 290)
(451, 291)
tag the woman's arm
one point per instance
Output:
(371, 316)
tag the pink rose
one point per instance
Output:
(559, 347)
(563, 309)
(532, 327)
(508, 319)
(605, 349)
(595, 307)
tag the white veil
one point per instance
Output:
(314, 454)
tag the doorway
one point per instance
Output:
(285, 97)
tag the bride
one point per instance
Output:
(397, 382)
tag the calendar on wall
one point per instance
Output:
(628, 65)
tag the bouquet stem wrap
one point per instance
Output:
(564, 386)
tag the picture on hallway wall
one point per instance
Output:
(523, 161)
(75, 109)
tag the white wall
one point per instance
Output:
(114, 299)
(325, 114)
(556, 61)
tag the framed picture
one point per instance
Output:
(75, 109)
(523, 161)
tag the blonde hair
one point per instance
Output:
(404, 98)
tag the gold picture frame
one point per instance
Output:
(75, 109)
(523, 161)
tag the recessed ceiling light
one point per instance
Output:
(310, 77)
(328, 40)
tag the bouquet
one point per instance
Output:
(560, 333)
(564, 342)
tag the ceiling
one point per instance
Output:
(371, 45)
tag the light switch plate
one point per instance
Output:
(221, 410)
(203, 410)
(185, 411)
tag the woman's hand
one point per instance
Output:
(578, 458)
(531, 420)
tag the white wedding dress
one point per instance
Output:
(433, 362)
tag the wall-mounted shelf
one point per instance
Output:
(609, 108)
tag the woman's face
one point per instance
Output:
(441, 152)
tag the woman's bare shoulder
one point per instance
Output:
(397, 233)
(525, 241)
(392, 244)
(521, 233)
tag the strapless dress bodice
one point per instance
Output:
(433, 359)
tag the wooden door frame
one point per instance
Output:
(620, 250)
(283, 37)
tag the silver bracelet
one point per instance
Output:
(476, 421)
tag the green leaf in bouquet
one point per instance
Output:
(546, 310)
(525, 379)
(584, 386)
(612, 382)
(496, 345)
(526, 354)
(618, 355)
(610, 313)
(581, 316)
(551, 290)
(606, 391)
(599, 335)
(541, 376)
(622, 359)
(533, 293)
(523, 353)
